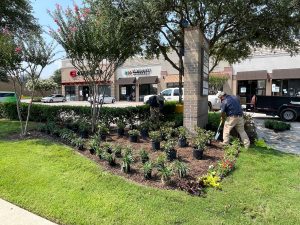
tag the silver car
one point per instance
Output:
(101, 99)
(54, 98)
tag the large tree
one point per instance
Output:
(16, 15)
(97, 40)
(233, 27)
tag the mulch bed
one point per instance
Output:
(196, 167)
(212, 154)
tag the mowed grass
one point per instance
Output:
(55, 182)
(12, 127)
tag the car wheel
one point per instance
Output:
(113, 101)
(51, 100)
(209, 107)
(63, 100)
(288, 115)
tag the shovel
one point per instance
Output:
(218, 131)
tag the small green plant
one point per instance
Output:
(211, 180)
(127, 161)
(169, 145)
(121, 124)
(134, 132)
(155, 136)
(182, 132)
(161, 160)
(117, 150)
(107, 147)
(93, 143)
(147, 169)
(180, 168)
(144, 155)
(100, 153)
(165, 174)
(200, 142)
(261, 143)
(78, 143)
(103, 129)
(110, 158)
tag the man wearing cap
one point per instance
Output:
(231, 108)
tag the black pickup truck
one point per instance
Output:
(287, 108)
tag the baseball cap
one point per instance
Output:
(220, 94)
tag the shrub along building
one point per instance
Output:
(264, 73)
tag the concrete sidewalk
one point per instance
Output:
(14, 215)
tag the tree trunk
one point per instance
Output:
(18, 103)
(28, 112)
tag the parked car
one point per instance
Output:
(54, 98)
(6, 96)
(101, 99)
(172, 94)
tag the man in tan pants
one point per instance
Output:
(231, 108)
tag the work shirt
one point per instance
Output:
(231, 106)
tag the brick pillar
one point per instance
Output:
(195, 100)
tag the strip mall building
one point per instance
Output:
(264, 73)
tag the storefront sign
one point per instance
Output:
(243, 90)
(275, 88)
(138, 72)
(73, 73)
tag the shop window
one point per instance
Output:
(70, 93)
(104, 89)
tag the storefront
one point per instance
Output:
(286, 82)
(251, 83)
(134, 83)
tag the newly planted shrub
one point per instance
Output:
(165, 174)
(147, 169)
(180, 168)
(110, 158)
(78, 143)
(127, 161)
(117, 150)
(144, 155)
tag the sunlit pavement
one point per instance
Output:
(286, 141)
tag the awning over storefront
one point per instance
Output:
(286, 74)
(127, 80)
(148, 80)
(252, 75)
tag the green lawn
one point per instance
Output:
(57, 183)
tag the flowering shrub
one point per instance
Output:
(225, 166)
(211, 180)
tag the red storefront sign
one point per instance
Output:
(73, 73)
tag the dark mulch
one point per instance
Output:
(196, 167)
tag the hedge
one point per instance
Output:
(44, 113)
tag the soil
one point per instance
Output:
(212, 154)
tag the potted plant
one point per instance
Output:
(155, 139)
(161, 160)
(117, 150)
(78, 143)
(127, 160)
(147, 168)
(144, 156)
(103, 131)
(83, 128)
(133, 135)
(168, 147)
(144, 129)
(93, 144)
(111, 159)
(121, 126)
(107, 147)
(181, 168)
(182, 135)
(199, 145)
(165, 174)
(209, 135)
(99, 152)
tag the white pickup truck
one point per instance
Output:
(172, 94)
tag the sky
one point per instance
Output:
(40, 12)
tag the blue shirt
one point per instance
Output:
(231, 106)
